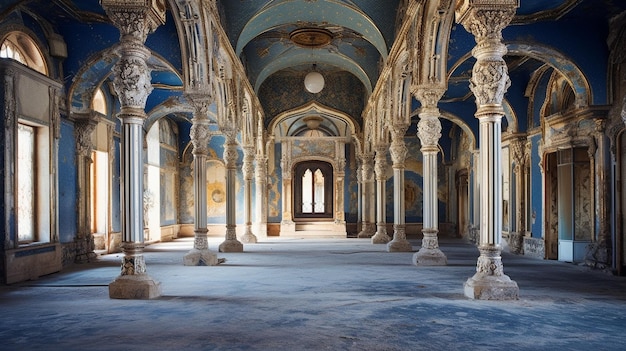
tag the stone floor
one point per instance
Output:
(294, 294)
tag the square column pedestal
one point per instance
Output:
(137, 286)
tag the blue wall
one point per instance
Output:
(68, 181)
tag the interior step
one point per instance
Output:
(315, 226)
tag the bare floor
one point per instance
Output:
(316, 294)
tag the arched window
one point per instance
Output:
(98, 103)
(20, 47)
(313, 189)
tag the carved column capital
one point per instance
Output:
(518, 148)
(367, 167)
(380, 164)
(429, 132)
(83, 130)
(398, 149)
(485, 19)
(135, 18)
(429, 97)
(230, 153)
(200, 136)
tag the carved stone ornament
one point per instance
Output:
(200, 137)
(132, 81)
(135, 18)
(489, 81)
(485, 19)
(429, 96)
(398, 151)
(368, 167)
(380, 166)
(489, 262)
(429, 131)
(519, 152)
(230, 155)
(83, 131)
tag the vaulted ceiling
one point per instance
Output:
(347, 41)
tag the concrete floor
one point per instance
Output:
(324, 294)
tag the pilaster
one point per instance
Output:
(83, 130)
(429, 133)
(521, 159)
(131, 80)
(485, 19)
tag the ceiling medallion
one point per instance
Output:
(311, 37)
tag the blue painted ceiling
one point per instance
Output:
(361, 35)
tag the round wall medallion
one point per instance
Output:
(311, 37)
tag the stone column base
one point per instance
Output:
(430, 257)
(399, 245)
(380, 238)
(482, 287)
(137, 287)
(231, 245)
(249, 238)
(197, 257)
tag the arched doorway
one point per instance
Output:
(313, 191)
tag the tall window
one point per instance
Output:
(26, 183)
(20, 47)
(313, 188)
(313, 192)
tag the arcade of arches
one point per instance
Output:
(130, 122)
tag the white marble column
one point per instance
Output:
(485, 19)
(398, 151)
(248, 174)
(131, 80)
(380, 168)
(368, 198)
(429, 132)
(200, 134)
(231, 244)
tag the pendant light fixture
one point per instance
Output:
(314, 81)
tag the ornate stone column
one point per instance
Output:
(429, 132)
(380, 168)
(368, 197)
(131, 80)
(200, 134)
(83, 128)
(248, 175)
(398, 152)
(485, 19)
(231, 244)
